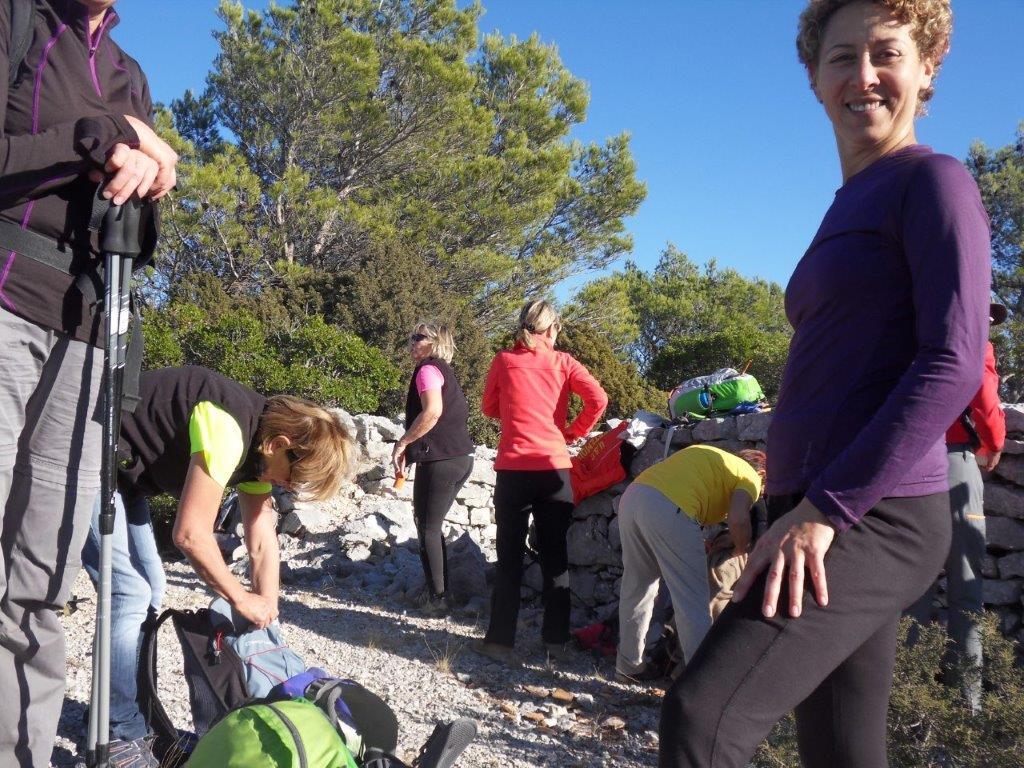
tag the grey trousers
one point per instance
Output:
(659, 542)
(963, 572)
(50, 435)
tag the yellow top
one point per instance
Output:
(701, 479)
(214, 432)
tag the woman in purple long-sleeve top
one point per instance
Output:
(889, 307)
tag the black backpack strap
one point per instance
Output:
(967, 422)
(22, 12)
(149, 700)
(130, 394)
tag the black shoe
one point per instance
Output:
(446, 743)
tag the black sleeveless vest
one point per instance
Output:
(154, 450)
(450, 436)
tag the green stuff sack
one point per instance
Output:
(718, 393)
(282, 734)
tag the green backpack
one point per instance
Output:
(282, 734)
(718, 393)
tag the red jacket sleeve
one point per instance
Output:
(989, 420)
(490, 405)
(582, 383)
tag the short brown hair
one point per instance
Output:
(930, 21)
(320, 443)
(758, 461)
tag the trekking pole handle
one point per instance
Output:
(120, 231)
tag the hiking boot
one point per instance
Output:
(502, 654)
(646, 674)
(432, 605)
(446, 743)
(558, 651)
(137, 753)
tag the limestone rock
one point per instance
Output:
(474, 495)
(588, 545)
(715, 429)
(466, 570)
(652, 452)
(1004, 500)
(394, 512)
(1000, 592)
(753, 426)
(732, 446)
(1011, 468)
(1014, 417)
(599, 504)
(368, 527)
(346, 420)
(377, 452)
(458, 514)
(533, 578)
(989, 566)
(1013, 446)
(682, 437)
(1004, 533)
(480, 516)
(614, 536)
(1011, 565)
(483, 472)
(582, 584)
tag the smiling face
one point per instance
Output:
(868, 76)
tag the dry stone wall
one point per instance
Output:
(377, 541)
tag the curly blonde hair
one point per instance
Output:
(930, 21)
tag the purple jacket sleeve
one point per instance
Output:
(945, 238)
(33, 163)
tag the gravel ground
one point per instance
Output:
(567, 715)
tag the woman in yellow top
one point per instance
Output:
(660, 519)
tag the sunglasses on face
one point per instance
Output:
(415, 337)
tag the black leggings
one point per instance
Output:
(833, 665)
(548, 495)
(434, 488)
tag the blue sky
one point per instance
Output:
(738, 157)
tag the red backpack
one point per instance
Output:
(598, 465)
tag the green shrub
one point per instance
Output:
(698, 354)
(314, 359)
(627, 391)
(930, 725)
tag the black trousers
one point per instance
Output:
(547, 494)
(832, 665)
(434, 489)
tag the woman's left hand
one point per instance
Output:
(796, 542)
(398, 458)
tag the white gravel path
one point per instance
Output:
(423, 668)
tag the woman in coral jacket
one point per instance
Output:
(528, 390)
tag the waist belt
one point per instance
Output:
(40, 248)
(89, 283)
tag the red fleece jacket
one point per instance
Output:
(528, 390)
(987, 412)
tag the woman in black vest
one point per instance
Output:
(194, 434)
(436, 438)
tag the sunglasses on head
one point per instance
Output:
(417, 337)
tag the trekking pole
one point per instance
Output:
(119, 243)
